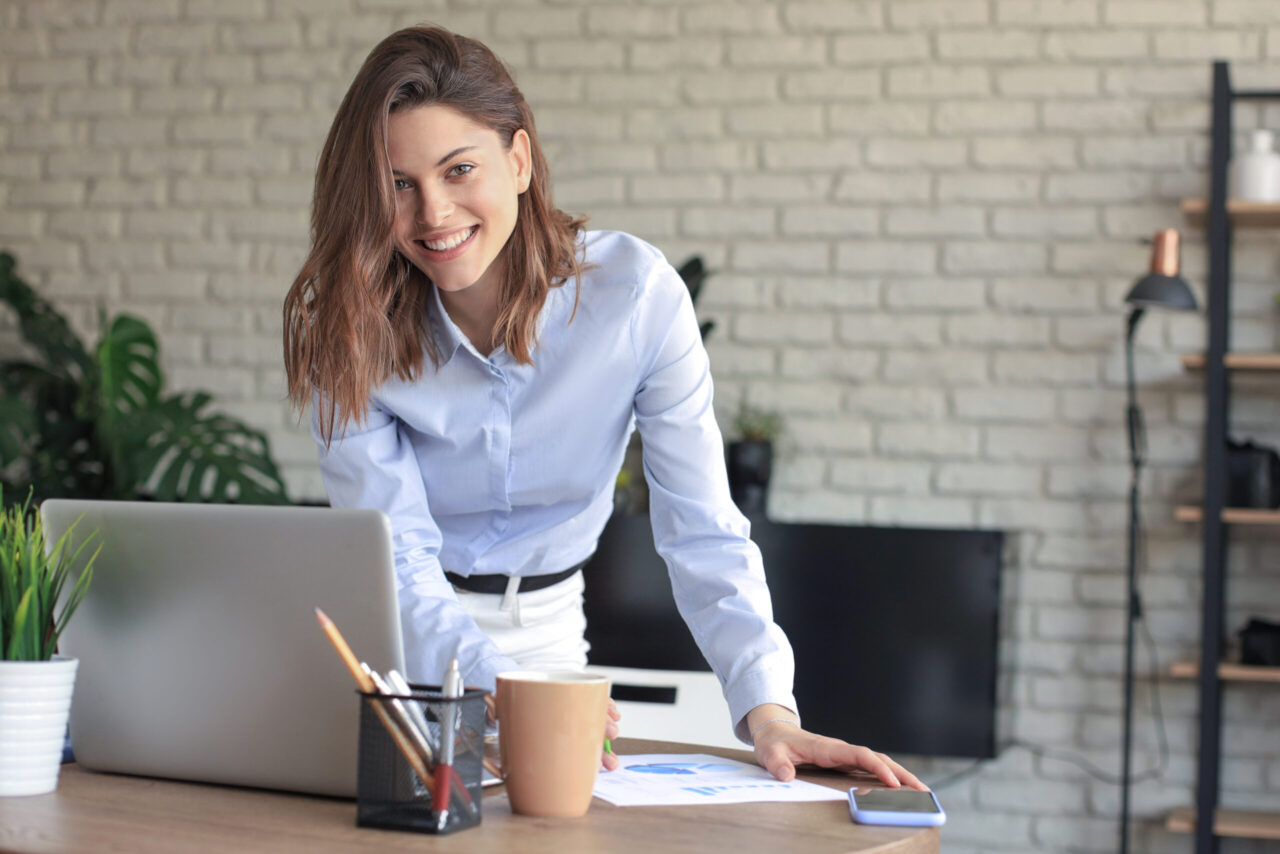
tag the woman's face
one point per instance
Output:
(457, 192)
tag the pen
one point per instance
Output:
(419, 723)
(417, 732)
(452, 689)
(415, 711)
(366, 685)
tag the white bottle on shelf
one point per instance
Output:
(1255, 173)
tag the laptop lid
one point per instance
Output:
(200, 655)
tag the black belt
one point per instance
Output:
(498, 583)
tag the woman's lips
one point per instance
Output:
(452, 252)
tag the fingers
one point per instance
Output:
(905, 776)
(878, 764)
(776, 759)
(612, 716)
(778, 752)
(609, 761)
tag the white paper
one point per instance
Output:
(664, 779)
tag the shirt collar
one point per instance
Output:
(450, 337)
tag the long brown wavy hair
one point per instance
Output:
(356, 313)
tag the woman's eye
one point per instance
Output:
(401, 184)
(461, 169)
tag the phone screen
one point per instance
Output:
(895, 800)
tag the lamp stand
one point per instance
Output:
(1133, 604)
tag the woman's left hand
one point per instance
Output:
(780, 746)
(611, 731)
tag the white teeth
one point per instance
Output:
(449, 243)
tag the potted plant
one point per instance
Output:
(35, 683)
(77, 422)
(750, 456)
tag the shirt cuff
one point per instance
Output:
(755, 690)
(485, 672)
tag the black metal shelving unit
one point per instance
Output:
(1217, 400)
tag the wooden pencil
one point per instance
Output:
(366, 685)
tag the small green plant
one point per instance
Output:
(757, 425)
(31, 581)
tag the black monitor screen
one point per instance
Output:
(894, 629)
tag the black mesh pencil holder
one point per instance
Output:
(404, 781)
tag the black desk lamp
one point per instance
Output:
(1162, 287)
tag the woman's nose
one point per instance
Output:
(434, 208)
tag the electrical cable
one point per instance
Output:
(1079, 761)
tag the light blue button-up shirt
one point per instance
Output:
(485, 465)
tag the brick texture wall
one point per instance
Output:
(924, 216)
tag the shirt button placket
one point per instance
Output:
(500, 461)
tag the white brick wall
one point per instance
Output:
(923, 216)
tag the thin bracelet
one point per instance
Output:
(752, 735)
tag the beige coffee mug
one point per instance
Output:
(550, 736)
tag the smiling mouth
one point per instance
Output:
(449, 243)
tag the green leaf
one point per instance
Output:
(42, 326)
(62, 459)
(129, 368)
(73, 600)
(129, 381)
(32, 578)
(17, 426)
(183, 454)
(22, 645)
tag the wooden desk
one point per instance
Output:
(115, 813)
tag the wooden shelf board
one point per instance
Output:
(1231, 515)
(1242, 823)
(1244, 214)
(1232, 672)
(1236, 361)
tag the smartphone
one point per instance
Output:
(903, 807)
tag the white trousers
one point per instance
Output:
(542, 630)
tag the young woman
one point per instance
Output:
(476, 361)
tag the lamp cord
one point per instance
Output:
(1137, 450)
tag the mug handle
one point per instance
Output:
(493, 766)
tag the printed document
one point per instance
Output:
(663, 779)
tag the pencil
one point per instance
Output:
(366, 685)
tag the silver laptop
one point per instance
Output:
(200, 655)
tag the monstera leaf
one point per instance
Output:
(42, 326)
(129, 376)
(76, 424)
(129, 381)
(183, 454)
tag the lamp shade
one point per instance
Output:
(1163, 287)
(1159, 291)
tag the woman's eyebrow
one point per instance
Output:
(454, 153)
(442, 161)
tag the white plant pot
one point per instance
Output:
(35, 699)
